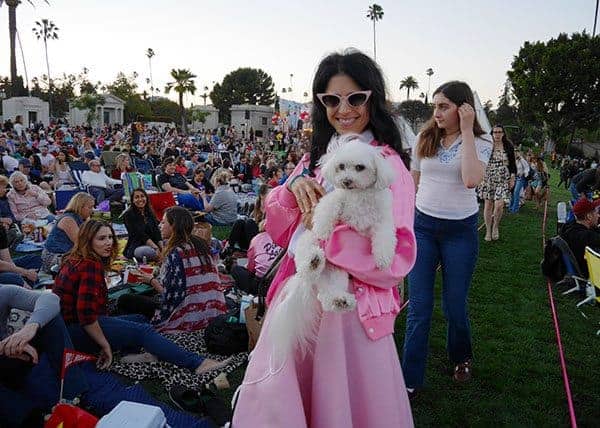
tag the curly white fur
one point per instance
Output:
(361, 199)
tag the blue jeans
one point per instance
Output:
(129, 333)
(29, 261)
(574, 192)
(38, 385)
(189, 201)
(454, 244)
(516, 196)
(103, 193)
(211, 219)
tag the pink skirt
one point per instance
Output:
(347, 381)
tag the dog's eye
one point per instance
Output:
(341, 167)
(359, 167)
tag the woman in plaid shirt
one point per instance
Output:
(82, 289)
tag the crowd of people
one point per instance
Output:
(213, 176)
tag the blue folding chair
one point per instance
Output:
(63, 197)
(77, 168)
(144, 166)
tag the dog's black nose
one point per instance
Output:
(347, 182)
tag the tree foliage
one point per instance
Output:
(125, 87)
(557, 84)
(164, 107)
(409, 83)
(242, 86)
(183, 82)
(415, 111)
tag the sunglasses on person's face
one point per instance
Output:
(355, 99)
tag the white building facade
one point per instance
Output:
(210, 122)
(109, 113)
(31, 109)
(246, 116)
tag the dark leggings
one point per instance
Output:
(245, 280)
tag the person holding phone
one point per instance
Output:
(448, 163)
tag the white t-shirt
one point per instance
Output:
(10, 164)
(47, 160)
(441, 192)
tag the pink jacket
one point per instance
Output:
(378, 301)
(34, 207)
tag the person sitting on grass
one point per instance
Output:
(583, 232)
(144, 240)
(188, 282)
(172, 181)
(261, 254)
(43, 336)
(222, 208)
(66, 228)
(81, 286)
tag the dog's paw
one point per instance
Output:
(311, 265)
(383, 253)
(337, 302)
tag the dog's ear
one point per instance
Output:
(327, 163)
(385, 172)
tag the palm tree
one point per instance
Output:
(183, 83)
(12, 34)
(429, 73)
(46, 30)
(375, 14)
(150, 53)
(409, 83)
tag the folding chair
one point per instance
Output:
(62, 198)
(77, 168)
(593, 263)
(160, 202)
(131, 181)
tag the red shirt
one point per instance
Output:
(81, 286)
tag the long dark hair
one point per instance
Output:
(182, 222)
(459, 93)
(148, 212)
(367, 75)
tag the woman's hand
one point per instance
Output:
(16, 343)
(466, 114)
(307, 193)
(105, 358)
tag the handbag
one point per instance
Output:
(255, 312)
(225, 335)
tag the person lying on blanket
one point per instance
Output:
(82, 289)
(44, 335)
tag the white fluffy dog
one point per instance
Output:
(362, 199)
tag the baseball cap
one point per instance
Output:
(25, 162)
(89, 155)
(584, 206)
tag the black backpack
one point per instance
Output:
(552, 264)
(225, 335)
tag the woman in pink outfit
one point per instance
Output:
(351, 377)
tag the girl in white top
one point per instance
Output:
(448, 162)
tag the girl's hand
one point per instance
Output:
(105, 358)
(307, 193)
(466, 114)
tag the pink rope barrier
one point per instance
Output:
(561, 354)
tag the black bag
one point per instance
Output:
(225, 335)
(553, 266)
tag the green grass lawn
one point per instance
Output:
(517, 377)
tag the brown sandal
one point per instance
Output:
(462, 372)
